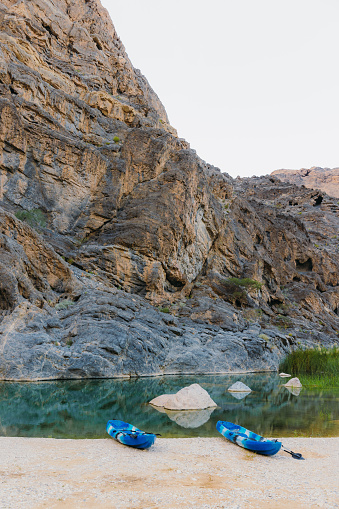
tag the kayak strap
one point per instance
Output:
(128, 433)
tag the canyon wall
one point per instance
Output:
(122, 253)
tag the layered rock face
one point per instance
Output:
(325, 179)
(122, 252)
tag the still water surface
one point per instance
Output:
(80, 409)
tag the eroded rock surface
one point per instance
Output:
(122, 252)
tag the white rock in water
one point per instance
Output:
(161, 400)
(239, 387)
(283, 374)
(294, 382)
(193, 397)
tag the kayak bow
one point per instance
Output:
(128, 434)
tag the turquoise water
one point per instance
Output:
(80, 409)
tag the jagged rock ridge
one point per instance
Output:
(122, 252)
(325, 179)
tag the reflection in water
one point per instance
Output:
(239, 395)
(81, 409)
(293, 390)
(188, 418)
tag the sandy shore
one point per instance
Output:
(174, 473)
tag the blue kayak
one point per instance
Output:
(247, 439)
(130, 435)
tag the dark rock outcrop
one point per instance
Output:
(122, 252)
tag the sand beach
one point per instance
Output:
(45, 473)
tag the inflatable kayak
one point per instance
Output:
(247, 439)
(129, 435)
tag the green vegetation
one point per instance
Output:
(164, 310)
(250, 284)
(116, 139)
(68, 260)
(34, 217)
(234, 290)
(314, 366)
(320, 381)
(64, 304)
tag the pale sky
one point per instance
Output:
(252, 85)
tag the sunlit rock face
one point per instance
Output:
(100, 197)
(325, 179)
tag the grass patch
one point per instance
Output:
(34, 217)
(250, 284)
(320, 381)
(314, 366)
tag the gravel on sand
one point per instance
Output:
(45, 473)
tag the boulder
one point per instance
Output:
(193, 397)
(239, 387)
(294, 382)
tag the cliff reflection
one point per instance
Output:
(80, 409)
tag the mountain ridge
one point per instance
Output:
(325, 179)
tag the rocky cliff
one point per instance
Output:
(122, 252)
(325, 179)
